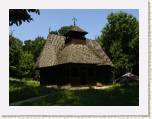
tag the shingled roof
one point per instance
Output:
(76, 29)
(56, 52)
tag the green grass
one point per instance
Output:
(24, 89)
(115, 96)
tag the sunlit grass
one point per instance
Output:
(24, 89)
(116, 95)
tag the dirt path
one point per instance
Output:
(93, 87)
(28, 100)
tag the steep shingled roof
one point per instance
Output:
(56, 52)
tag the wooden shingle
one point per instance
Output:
(56, 52)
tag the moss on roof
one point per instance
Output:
(76, 29)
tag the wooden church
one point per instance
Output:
(73, 59)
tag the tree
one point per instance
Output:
(28, 46)
(15, 54)
(38, 44)
(64, 29)
(34, 47)
(120, 40)
(53, 32)
(22, 58)
(17, 16)
(26, 65)
(15, 50)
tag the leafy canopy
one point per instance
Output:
(120, 40)
(23, 57)
(62, 30)
(15, 50)
(18, 16)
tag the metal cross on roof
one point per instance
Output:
(74, 20)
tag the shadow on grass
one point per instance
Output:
(21, 90)
(116, 96)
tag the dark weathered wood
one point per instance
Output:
(66, 74)
(72, 59)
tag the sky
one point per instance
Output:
(91, 20)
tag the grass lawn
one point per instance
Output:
(115, 96)
(24, 89)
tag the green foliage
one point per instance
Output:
(23, 57)
(61, 31)
(114, 96)
(64, 29)
(28, 44)
(18, 16)
(26, 65)
(15, 50)
(24, 89)
(15, 54)
(32, 51)
(53, 32)
(120, 40)
(34, 47)
(38, 46)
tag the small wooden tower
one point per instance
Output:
(75, 33)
